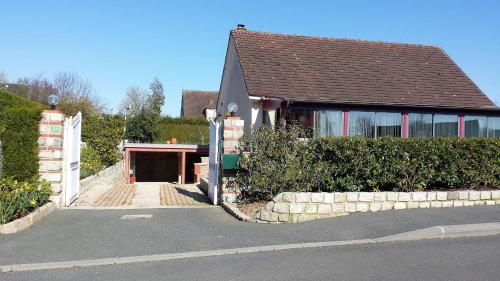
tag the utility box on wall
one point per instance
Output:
(230, 162)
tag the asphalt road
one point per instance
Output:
(447, 259)
(91, 234)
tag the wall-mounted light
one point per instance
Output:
(53, 101)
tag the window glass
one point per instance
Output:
(445, 125)
(304, 118)
(475, 126)
(420, 125)
(362, 123)
(388, 124)
(494, 127)
(329, 123)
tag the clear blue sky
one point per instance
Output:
(117, 44)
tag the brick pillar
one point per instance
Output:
(50, 148)
(233, 131)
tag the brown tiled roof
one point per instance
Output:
(315, 69)
(194, 102)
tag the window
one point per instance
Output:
(388, 124)
(475, 126)
(329, 123)
(420, 125)
(494, 127)
(362, 123)
(445, 125)
(304, 118)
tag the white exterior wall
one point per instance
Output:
(233, 89)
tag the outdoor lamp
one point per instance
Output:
(53, 101)
(232, 108)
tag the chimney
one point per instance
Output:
(241, 26)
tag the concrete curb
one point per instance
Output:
(27, 221)
(233, 210)
(436, 232)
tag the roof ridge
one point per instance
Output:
(335, 38)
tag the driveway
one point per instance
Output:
(70, 234)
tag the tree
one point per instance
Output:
(157, 98)
(135, 98)
(4, 78)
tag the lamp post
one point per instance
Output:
(53, 101)
(232, 108)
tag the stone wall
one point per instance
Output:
(50, 148)
(109, 176)
(304, 206)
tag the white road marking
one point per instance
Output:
(139, 216)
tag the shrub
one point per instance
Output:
(185, 130)
(275, 161)
(90, 162)
(104, 133)
(18, 198)
(20, 147)
(9, 100)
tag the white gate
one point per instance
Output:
(72, 139)
(214, 160)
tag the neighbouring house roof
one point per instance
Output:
(195, 102)
(316, 69)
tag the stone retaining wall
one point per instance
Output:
(109, 176)
(304, 206)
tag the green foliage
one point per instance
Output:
(275, 162)
(18, 198)
(185, 130)
(142, 127)
(90, 162)
(104, 133)
(20, 145)
(10, 100)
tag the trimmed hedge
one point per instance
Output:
(9, 100)
(185, 130)
(104, 133)
(276, 161)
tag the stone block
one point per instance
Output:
(447, 204)
(53, 165)
(495, 194)
(338, 208)
(392, 196)
(431, 196)
(269, 206)
(324, 209)
(296, 208)
(362, 207)
(479, 203)
(458, 203)
(268, 216)
(375, 207)
(442, 196)
(437, 204)
(485, 195)
(474, 195)
(311, 209)
(412, 205)
(278, 197)
(468, 203)
(350, 207)
(424, 205)
(490, 202)
(453, 195)
(317, 197)
(418, 196)
(56, 187)
(303, 197)
(403, 196)
(282, 208)
(328, 198)
(288, 197)
(51, 177)
(462, 195)
(366, 196)
(352, 196)
(283, 217)
(399, 205)
(387, 205)
(340, 197)
(380, 196)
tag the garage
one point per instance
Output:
(162, 162)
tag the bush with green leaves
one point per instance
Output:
(19, 198)
(275, 161)
(185, 130)
(90, 162)
(104, 133)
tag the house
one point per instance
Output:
(198, 103)
(344, 87)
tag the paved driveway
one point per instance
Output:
(70, 234)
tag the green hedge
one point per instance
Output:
(90, 162)
(9, 100)
(104, 133)
(20, 147)
(17, 199)
(185, 130)
(276, 161)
